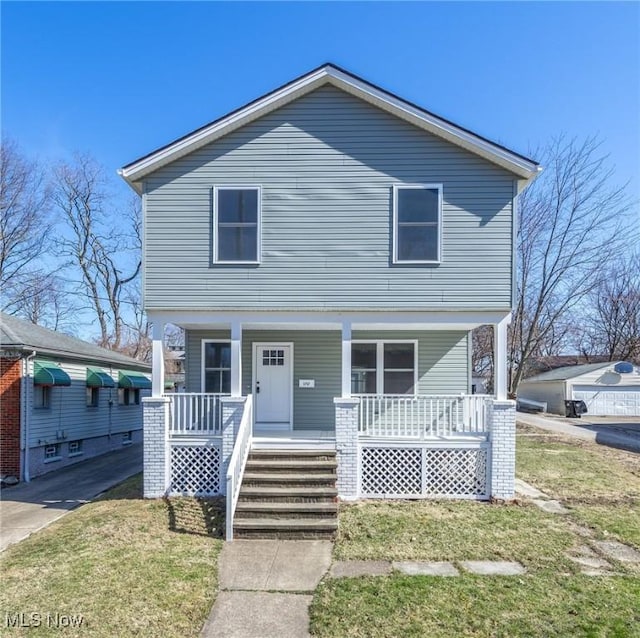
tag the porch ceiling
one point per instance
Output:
(331, 321)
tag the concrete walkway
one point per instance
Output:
(28, 507)
(582, 429)
(266, 588)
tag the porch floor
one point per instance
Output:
(294, 439)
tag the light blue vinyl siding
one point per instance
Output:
(69, 414)
(327, 164)
(442, 365)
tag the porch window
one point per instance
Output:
(237, 224)
(383, 367)
(217, 367)
(417, 223)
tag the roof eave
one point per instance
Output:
(524, 168)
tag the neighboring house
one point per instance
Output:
(610, 388)
(63, 400)
(328, 248)
(538, 365)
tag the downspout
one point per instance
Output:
(25, 413)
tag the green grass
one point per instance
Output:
(130, 567)
(452, 530)
(420, 606)
(600, 486)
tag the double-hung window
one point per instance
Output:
(217, 367)
(236, 224)
(417, 223)
(383, 367)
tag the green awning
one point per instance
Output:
(133, 380)
(97, 378)
(45, 373)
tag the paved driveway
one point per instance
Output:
(28, 507)
(620, 432)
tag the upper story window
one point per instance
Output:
(417, 223)
(236, 211)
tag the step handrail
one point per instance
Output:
(238, 462)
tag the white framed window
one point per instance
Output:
(384, 367)
(75, 448)
(236, 224)
(127, 438)
(93, 397)
(128, 396)
(417, 223)
(52, 452)
(216, 366)
(41, 396)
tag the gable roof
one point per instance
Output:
(23, 336)
(523, 167)
(570, 372)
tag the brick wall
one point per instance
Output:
(502, 417)
(347, 411)
(10, 372)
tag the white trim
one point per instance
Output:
(347, 342)
(332, 320)
(329, 74)
(500, 383)
(380, 363)
(202, 367)
(396, 187)
(214, 227)
(271, 344)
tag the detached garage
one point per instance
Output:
(608, 389)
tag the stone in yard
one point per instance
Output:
(528, 490)
(420, 568)
(355, 568)
(592, 562)
(493, 567)
(551, 507)
(619, 551)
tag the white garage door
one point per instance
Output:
(624, 401)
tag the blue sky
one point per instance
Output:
(120, 79)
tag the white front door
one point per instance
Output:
(273, 379)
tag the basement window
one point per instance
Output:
(52, 453)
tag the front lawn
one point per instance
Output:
(129, 567)
(600, 486)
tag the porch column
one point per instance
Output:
(156, 450)
(500, 359)
(236, 359)
(346, 359)
(157, 375)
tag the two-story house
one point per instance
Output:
(328, 248)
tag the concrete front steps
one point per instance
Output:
(288, 494)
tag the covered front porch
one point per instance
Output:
(390, 393)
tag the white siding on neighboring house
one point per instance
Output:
(68, 418)
(605, 392)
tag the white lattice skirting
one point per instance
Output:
(424, 472)
(195, 470)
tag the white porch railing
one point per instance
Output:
(195, 413)
(237, 463)
(418, 417)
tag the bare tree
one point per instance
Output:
(24, 225)
(482, 357)
(572, 222)
(43, 299)
(96, 244)
(612, 314)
